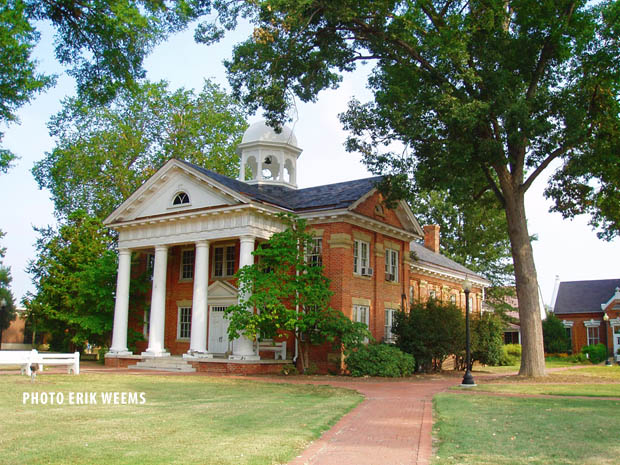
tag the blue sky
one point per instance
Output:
(568, 248)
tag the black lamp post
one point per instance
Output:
(468, 379)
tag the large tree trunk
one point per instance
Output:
(533, 354)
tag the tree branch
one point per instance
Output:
(555, 154)
(493, 185)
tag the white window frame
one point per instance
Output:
(432, 294)
(187, 274)
(388, 336)
(314, 256)
(358, 312)
(592, 339)
(391, 264)
(182, 204)
(184, 322)
(150, 265)
(225, 260)
(360, 259)
(146, 323)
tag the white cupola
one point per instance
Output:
(268, 158)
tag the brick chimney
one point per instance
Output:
(431, 237)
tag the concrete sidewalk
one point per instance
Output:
(392, 426)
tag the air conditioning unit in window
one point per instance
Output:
(366, 271)
(389, 277)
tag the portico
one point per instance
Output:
(201, 221)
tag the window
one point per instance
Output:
(593, 335)
(453, 299)
(432, 294)
(181, 199)
(569, 334)
(391, 265)
(360, 256)
(314, 257)
(146, 324)
(187, 264)
(389, 323)
(511, 337)
(224, 261)
(184, 326)
(150, 265)
(361, 314)
(471, 304)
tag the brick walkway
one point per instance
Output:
(392, 426)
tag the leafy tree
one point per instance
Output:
(104, 153)
(485, 96)
(103, 44)
(289, 294)
(7, 312)
(431, 332)
(554, 335)
(75, 280)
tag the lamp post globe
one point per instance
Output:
(468, 379)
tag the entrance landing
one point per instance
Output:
(215, 365)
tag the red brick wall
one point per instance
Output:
(385, 215)
(579, 332)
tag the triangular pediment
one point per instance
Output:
(156, 196)
(221, 290)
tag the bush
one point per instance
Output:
(487, 331)
(380, 360)
(431, 332)
(595, 353)
(579, 358)
(511, 355)
(554, 335)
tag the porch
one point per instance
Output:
(219, 364)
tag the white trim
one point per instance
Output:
(616, 296)
(224, 248)
(179, 311)
(181, 278)
(592, 323)
(568, 323)
(452, 275)
(357, 270)
(162, 175)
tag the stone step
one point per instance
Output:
(165, 364)
(163, 368)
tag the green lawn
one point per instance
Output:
(185, 420)
(482, 430)
(549, 363)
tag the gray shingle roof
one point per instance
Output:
(338, 195)
(584, 296)
(427, 255)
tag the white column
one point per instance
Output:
(243, 348)
(121, 305)
(158, 304)
(198, 341)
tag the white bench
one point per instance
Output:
(26, 358)
(72, 361)
(278, 348)
(22, 358)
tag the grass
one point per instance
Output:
(550, 362)
(185, 420)
(482, 430)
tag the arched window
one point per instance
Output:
(181, 199)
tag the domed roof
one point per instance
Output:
(260, 132)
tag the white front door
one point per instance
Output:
(218, 330)
(616, 340)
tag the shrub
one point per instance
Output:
(579, 358)
(380, 360)
(511, 355)
(595, 353)
(554, 335)
(487, 333)
(431, 332)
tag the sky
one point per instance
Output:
(566, 248)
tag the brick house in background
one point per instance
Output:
(16, 337)
(192, 229)
(590, 311)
